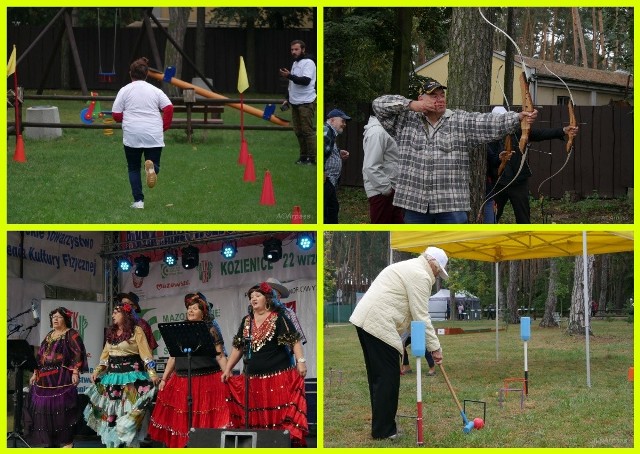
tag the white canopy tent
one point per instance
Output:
(499, 246)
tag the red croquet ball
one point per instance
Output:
(478, 423)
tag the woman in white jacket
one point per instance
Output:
(398, 295)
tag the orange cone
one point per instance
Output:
(244, 152)
(296, 216)
(249, 170)
(630, 374)
(267, 197)
(19, 153)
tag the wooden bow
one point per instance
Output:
(572, 123)
(527, 106)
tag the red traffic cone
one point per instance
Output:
(296, 216)
(267, 197)
(19, 153)
(249, 170)
(244, 152)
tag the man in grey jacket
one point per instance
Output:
(380, 173)
(398, 295)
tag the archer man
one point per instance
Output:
(434, 144)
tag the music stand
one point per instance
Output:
(188, 339)
(19, 357)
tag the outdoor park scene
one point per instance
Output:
(230, 152)
(525, 375)
(573, 66)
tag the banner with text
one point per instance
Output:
(213, 272)
(65, 259)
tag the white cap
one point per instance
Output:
(439, 256)
(499, 110)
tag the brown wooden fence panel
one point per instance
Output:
(601, 162)
(223, 46)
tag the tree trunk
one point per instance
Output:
(604, 280)
(577, 28)
(178, 21)
(594, 41)
(402, 52)
(512, 292)
(577, 314)
(552, 297)
(509, 54)
(471, 40)
(603, 50)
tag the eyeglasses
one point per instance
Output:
(57, 317)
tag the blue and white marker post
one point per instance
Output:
(418, 349)
(525, 334)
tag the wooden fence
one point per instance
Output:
(224, 47)
(602, 161)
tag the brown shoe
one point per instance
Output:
(151, 173)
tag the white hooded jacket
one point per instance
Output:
(398, 295)
(380, 165)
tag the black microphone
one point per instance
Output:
(250, 310)
(34, 312)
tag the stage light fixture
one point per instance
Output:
(170, 257)
(190, 257)
(305, 241)
(124, 264)
(229, 250)
(142, 266)
(272, 250)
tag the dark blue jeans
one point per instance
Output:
(134, 165)
(450, 217)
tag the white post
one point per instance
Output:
(585, 292)
(497, 311)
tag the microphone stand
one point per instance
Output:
(18, 315)
(246, 359)
(29, 328)
(14, 330)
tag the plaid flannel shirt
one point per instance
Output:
(333, 161)
(434, 166)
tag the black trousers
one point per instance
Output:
(518, 195)
(383, 372)
(331, 204)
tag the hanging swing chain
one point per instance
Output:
(115, 35)
(99, 46)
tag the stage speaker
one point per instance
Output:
(239, 438)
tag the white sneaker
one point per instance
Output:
(151, 173)
(138, 204)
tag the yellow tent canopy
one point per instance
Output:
(503, 246)
(499, 246)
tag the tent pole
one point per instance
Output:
(585, 291)
(497, 310)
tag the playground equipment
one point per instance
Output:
(94, 111)
(108, 77)
(167, 76)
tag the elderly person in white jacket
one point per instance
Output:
(398, 295)
(380, 173)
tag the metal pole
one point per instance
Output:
(497, 311)
(585, 295)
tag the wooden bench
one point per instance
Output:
(212, 110)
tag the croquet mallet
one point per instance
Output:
(468, 425)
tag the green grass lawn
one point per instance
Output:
(82, 177)
(560, 410)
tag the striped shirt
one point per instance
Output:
(434, 160)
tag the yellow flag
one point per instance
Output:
(243, 81)
(11, 66)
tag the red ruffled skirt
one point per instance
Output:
(276, 402)
(210, 410)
